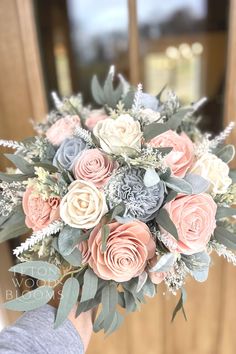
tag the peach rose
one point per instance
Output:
(95, 116)
(194, 218)
(62, 129)
(39, 212)
(85, 251)
(95, 166)
(129, 247)
(181, 158)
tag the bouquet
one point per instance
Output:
(117, 199)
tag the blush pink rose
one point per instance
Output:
(85, 251)
(94, 166)
(156, 277)
(181, 158)
(194, 218)
(39, 212)
(62, 129)
(129, 247)
(95, 116)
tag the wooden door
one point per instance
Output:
(210, 306)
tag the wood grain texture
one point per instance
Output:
(22, 96)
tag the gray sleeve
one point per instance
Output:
(34, 333)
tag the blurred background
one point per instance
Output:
(190, 45)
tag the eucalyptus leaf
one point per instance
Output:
(152, 130)
(141, 280)
(31, 300)
(224, 212)
(105, 231)
(165, 263)
(198, 183)
(115, 323)
(14, 226)
(232, 175)
(130, 304)
(151, 177)
(109, 298)
(68, 238)
(69, 297)
(90, 285)
(87, 305)
(24, 166)
(149, 289)
(180, 305)
(174, 122)
(179, 185)
(225, 237)
(198, 263)
(226, 154)
(171, 195)
(74, 258)
(97, 91)
(8, 177)
(38, 269)
(164, 220)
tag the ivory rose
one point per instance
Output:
(95, 166)
(83, 206)
(39, 212)
(215, 171)
(194, 219)
(62, 129)
(181, 158)
(118, 136)
(129, 247)
(95, 116)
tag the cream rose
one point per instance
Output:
(120, 135)
(83, 206)
(216, 171)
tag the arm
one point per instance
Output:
(34, 333)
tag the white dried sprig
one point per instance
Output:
(223, 251)
(219, 139)
(11, 144)
(112, 71)
(38, 236)
(136, 104)
(203, 147)
(85, 135)
(56, 100)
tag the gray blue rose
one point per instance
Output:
(68, 151)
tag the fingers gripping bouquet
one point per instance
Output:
(118, 199)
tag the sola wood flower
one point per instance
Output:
(129, 247)
(83, 206)
(62, 129)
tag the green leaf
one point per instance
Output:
(98, 324)
(198, 264)
(179, 185)
(87, 305)
(225, 237)
(151, 177)
(165, 263)
(108, 91)
(198, 183)
(14, 226)
(74, 258)
(226, 154)
(130, 303)
(109, 298)
(171, 195)
(164, 220)
(31, 300)
(20, 163)
(150, 131)
(8, 177)
(68, 238)
(97, 91)
(38, 269)
(105, 232)
(46, 166)
(128, 100)
(180, 305)
(174, 122)
(115, 323)
(224, 212)
(69, 297)
(90, 285)
(232, 175)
